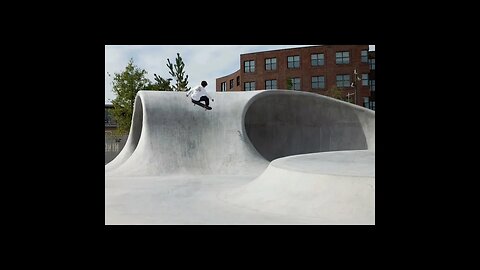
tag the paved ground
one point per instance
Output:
(184, 200)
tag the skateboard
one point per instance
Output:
(201, 105)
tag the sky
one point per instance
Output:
(202, 62)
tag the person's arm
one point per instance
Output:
(189, 92)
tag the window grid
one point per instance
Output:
(343, 80)
(364, 79)
(296, 83)
(249, 86)
(293, 61)
(271, 84)
(318, 59)
(342, 57)
(223, 86)
(318, 82)
(249, 66)
(366, 102)
(364, 56)
(271, 64)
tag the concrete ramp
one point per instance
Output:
(268, 156)
(285, 123)
(171, 135)
(245, 130)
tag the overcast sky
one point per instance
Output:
(202, 62)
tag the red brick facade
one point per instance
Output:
(227, 80)
(330, 69)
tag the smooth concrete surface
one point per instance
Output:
(347, 163)
(338, 187)
(171, 135)
(185, 200)
(283, 124)
(184, 165)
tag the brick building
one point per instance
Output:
(369, 102)
(313, 69)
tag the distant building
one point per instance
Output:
(110, 123)
(369, 102)
(313, 69)
(114, 143)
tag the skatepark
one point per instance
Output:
(258, 157)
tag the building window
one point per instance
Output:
(366, 102)
(318, 59)
(238, 80)
(372, 64)
(342, 57)
(249, 66)
(271, 64)
(364, 79)
(343, 80)
(293, 61)
(364, 56)
(271, 84)
(373, 105)
(231, 83)
(223, 86)
(372, 85)
(249, 86)
(296, 83)
(318, 82)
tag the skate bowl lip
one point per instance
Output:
(351, 163)
(263, 92)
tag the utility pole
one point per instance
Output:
(355, 79)
(348, 96)
(355, 83)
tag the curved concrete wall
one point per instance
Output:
(285, 123)
(245, 130)
(169, 135)
(133, 136)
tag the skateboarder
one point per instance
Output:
(200, 94)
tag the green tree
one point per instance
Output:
(160, 84)
(335, 92)
(126, 85)
(289, 83)
(340, 94)
(178, 73)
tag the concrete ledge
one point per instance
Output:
(358, 163)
